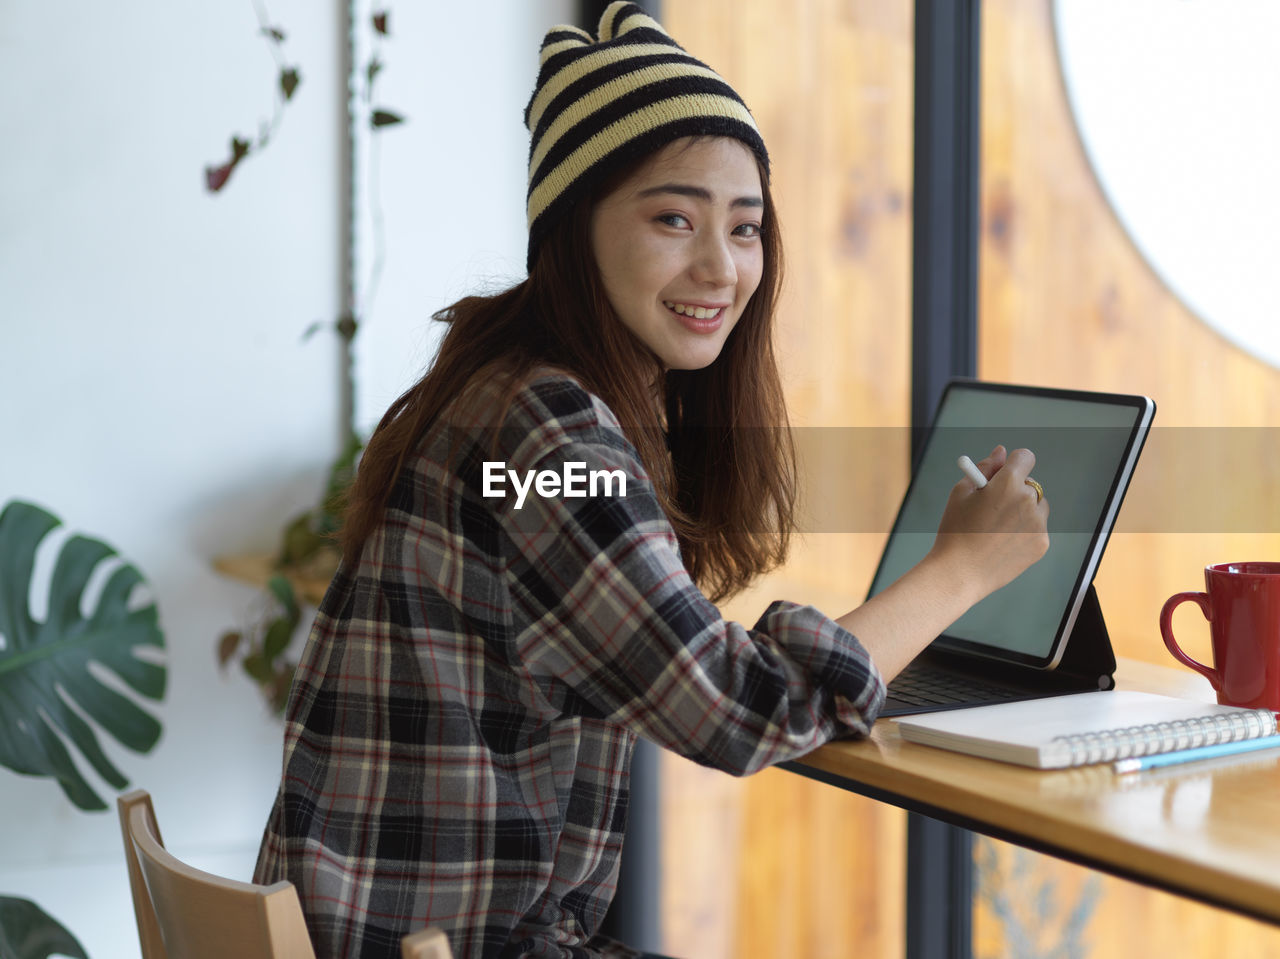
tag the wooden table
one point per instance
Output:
(1209, 830)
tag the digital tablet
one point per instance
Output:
(1086, 446)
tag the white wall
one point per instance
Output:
(154, 391)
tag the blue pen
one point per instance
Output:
(1191, 755)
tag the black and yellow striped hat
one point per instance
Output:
(601, 103)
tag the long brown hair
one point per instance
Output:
(722, 463)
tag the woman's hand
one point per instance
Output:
(986, 538)
(993, 534)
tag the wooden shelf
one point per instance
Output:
(255, 569)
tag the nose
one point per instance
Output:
(713, 263)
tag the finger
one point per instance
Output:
(993, 462)
(1020, 464)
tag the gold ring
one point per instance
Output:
(1037, 487)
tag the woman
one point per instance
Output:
(461, 724)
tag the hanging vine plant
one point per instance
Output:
(307, 549)
(288, 78)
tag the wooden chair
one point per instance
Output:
(425, 944)
(184, 913)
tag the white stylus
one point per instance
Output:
(970, 470)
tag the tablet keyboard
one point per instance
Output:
(920, 687)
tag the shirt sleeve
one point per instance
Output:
(614, 616)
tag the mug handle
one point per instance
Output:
(1166, 630)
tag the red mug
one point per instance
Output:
(1241, 601)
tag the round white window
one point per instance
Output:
(1178, 107)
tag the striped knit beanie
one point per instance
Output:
(599, 104)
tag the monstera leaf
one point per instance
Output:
(28, 932)
(47, 685)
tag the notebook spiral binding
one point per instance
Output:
(1165, 737)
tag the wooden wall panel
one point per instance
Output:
(776, 865)
(1068, 300)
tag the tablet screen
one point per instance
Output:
(1086, 445)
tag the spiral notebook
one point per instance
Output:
(1084, 728)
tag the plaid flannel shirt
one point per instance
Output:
(461, 723)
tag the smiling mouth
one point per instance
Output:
(697, 312)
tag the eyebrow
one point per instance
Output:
(698, 193)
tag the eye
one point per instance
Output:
(750, 230)
(677, 220)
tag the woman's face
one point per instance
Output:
(678, 247)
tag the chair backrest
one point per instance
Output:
(184, 913)
(425, 944)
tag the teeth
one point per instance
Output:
(697, 312)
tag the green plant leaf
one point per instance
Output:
(289, 81)
(282, 590)
(385, 118)
(276, 640)
(301, 541)
(46, 682)
(257, 667)
(28, 932)
(347, 327)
